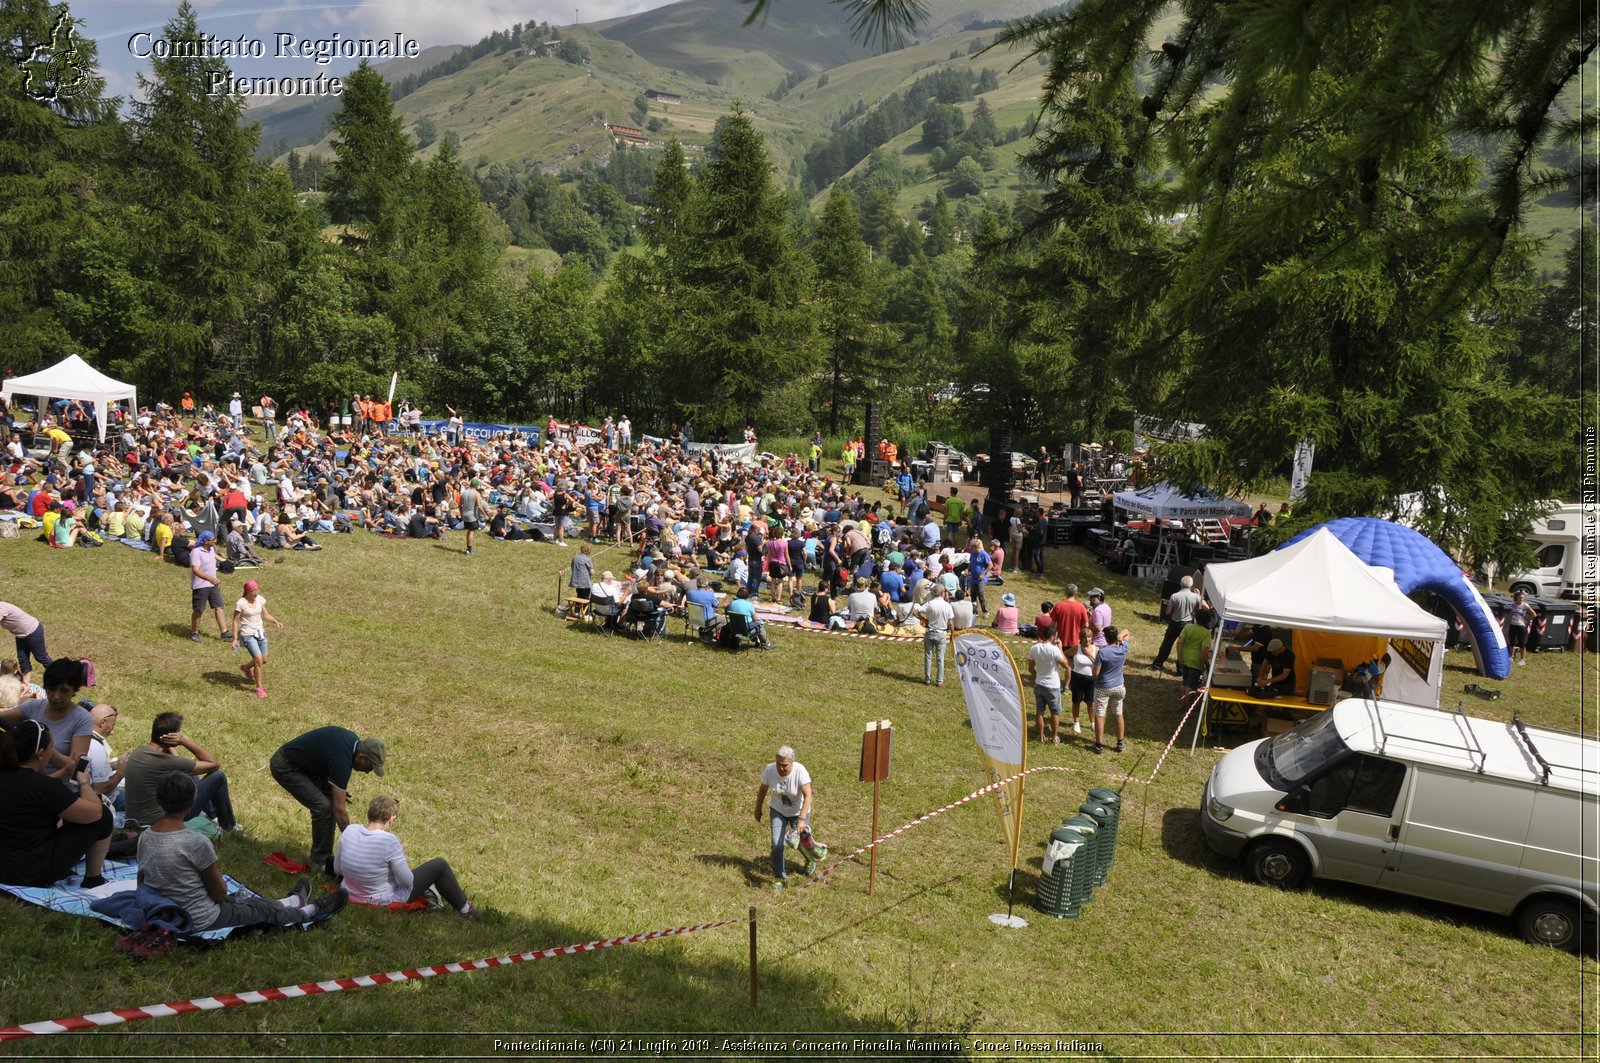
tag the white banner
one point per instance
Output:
(1305, 452)
(992, 687)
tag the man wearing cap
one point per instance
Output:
(1099, 616)
(236, 409)
(204, 586)
(315, 768)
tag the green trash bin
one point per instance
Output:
(1066, 855)
(1084, 870)
(1112, 800)
(1104, 838)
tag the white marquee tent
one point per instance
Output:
(1165, 502)
(1319, 585)
(74, 378)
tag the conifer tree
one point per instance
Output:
(369, 181)
(849, 302)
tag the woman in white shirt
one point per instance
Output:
(1081, 682)
(373, 864)
(249, 613)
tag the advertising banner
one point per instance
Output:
(992, 687)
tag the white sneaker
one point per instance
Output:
(1077, 728)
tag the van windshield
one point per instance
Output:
(1297, 755)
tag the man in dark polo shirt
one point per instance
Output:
(316, 769)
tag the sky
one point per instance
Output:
(114, 24)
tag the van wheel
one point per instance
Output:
(1524, 588)
(1280, 863)
(1551, 921)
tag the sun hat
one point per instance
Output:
(1008, 599)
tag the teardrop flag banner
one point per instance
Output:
(992, 687)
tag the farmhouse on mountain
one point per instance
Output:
(657, 96)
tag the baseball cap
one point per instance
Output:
(1096, 592)
(373, 748)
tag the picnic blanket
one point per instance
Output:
(120, 876)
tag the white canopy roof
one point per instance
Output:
(1165, 502)
(1320, 585)
(74, 378)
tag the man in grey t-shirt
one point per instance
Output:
(1179, 611)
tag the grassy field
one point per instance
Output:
(586, 787)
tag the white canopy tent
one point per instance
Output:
(74, 378)
(1318, 584)
(1165, 502)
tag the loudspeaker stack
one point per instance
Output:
(870, 439)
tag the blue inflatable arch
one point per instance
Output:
(1419, 565)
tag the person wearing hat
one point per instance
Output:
(205, 589)
(1276, 676)
(1099, 616)
(1006, 617)
(249, 614)
(315, 768)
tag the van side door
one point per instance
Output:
(1464, 836)
(1351, 814)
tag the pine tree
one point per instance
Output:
(194, 236)
(663, 216)
(941, 237)
(741, 326)
(369, 181)
(848, 301)
(50, 149)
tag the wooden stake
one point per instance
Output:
(752, 957)
(872, 864)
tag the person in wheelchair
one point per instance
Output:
(742, 623)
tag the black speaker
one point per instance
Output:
(997, 474)
(870, 439)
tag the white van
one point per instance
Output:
(1557, 541)
(1431, 803)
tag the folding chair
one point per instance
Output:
(646, 617)
(697, 618)
(604, 613)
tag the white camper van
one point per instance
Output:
(1431, 803)
(1557, 541)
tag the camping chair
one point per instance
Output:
(646, 617)
(698, 619)
(736, 627)
(604, 612)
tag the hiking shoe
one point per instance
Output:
(301, 892)
(1097, 748)
(469, 912)
(780, 884)
(195, 637)
(329, 904)
(1119, 747)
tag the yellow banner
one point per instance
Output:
(992, 687)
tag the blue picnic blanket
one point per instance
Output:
(121, 876)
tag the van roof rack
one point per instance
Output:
(1521, 730)
(1469, 743)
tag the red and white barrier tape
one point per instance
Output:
(306, 989)
(825, 872)
(1163, 758)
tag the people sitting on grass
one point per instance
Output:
(373, 866)
(48, 826)
(144, 767)
(181, 865)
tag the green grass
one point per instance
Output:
(586, 787)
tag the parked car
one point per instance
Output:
(1424, 802)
